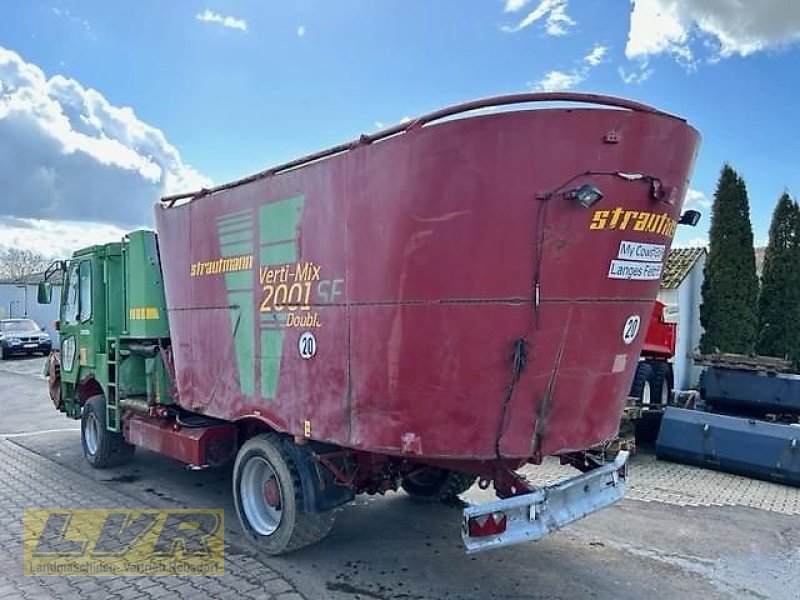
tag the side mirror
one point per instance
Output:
(690, 217)
(44, 294)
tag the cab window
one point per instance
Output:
(85, 291)
(71, 303)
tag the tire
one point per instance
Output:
(269, 499)
(641, 388)
(660, 387)
(433, 485)
(101, 447)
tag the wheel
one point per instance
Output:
(640, 388)
(660, 382)
(269, 499)
(436, 485)
(101, 447)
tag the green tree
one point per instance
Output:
(728, 312)
(779, 301)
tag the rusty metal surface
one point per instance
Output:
(198, 446)
(453, 245)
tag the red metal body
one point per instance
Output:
(198, 446)
(475, 315)
(659, 340)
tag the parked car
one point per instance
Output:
(22, 336)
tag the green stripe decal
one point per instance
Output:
(278, 254)
(234, 216)
(245, 235)
(239, 286)
(271, 351)
(237, 249)
(242, 327)
(278, 223)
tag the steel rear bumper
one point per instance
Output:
(530, 517)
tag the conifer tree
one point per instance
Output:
(779, 301)
(728, 312)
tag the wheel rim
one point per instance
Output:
(91, 433)
(646, 393)
(261, 496)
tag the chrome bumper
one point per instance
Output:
(530, 517)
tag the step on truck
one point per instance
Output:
(439, 303)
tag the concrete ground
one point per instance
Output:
(681, 532)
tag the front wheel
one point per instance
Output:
(101, 447)
(436, 485)
(270, 499)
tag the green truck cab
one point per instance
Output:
(114, 332)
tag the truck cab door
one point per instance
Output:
(77, 339)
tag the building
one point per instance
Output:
(681, 285)
(19, 300)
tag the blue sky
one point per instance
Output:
(236, 86)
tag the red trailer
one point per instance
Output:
(440, 302)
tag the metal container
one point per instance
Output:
(450, 288)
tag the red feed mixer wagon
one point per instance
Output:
(434, 304)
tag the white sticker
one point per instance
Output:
(641, 252)
(307, 345)
(631, 329)
(620, 362)
(639, 271)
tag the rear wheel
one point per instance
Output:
(101, 447)
(660, 383)
(436, 485)
(270, 499)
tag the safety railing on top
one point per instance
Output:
(495, 101)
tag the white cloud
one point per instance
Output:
(77, 157)
(728, 27)
(552, 12)
(697, 199)
(515, 5)
(301, 31)
(595, 57)
(636, 75)
(65, 14)
(229, 22)
(405, 119)
(696, 242)
(560, 81)
(57, 239)
(566, 80)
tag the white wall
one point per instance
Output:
(687, 298)
(17, 300)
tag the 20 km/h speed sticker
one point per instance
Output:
(307, 345)
(631, 329)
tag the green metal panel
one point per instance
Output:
(146, 306)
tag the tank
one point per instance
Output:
(472, 285)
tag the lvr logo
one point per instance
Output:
(189, 532)
(124, 541)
